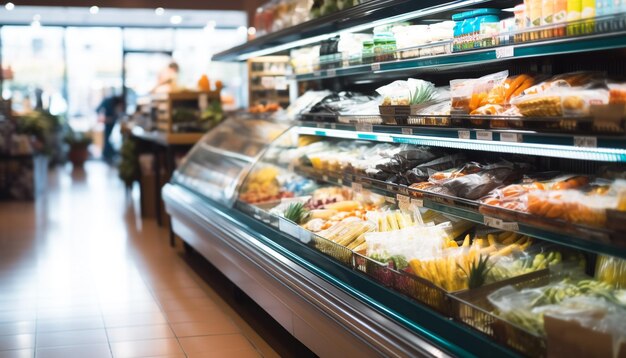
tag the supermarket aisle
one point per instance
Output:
(81, 277)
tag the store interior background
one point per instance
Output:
(74, 56)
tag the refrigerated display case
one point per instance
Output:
(429, 235)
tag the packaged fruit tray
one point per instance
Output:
(424, 291)
(474, 309)
(554, 225)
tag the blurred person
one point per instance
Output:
(168, 79)
(109, 112)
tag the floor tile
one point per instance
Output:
(235, 353)
(214, 344)
(18, 341)
(71, 338)
(91, 351)
(187, 304)
(19, 353)
(70, 324)
(70, 279)
(194, 315)
(146, 348)
(212, 327)
(136, 333)
(15, 328)
(140, 319)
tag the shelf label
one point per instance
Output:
(484, 135)
(289, 228)
(417, 202)
(333, 126)
(586, 142)
(390, 187)
(407, 131)
(404, 202)
(505, 51)
(390, 200)
(305, 235)
(331, 73)
(340, 181)
(317, 73)
(357, 187)
(325, 177)
(376, 66)
(464, 134)
(511, 137)
(403, 190)
(500, 224)
(319, 125)
(364, 127)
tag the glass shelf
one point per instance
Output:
(596, 148)
(554, 46)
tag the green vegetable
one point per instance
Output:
(297, 213)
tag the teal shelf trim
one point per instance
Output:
(609, 149)
(556, 46)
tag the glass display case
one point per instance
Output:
(222, 158)
(473, 233)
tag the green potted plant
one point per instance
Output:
(79, 144)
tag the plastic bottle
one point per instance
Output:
(547, 17)
(560, 16)
(588, 12)
(535, 17)
(574, 9)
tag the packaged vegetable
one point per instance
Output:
(476, 185)
(461, 95)
(611, 270)
(482, 90)
(405, 93)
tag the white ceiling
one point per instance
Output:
(79, 16)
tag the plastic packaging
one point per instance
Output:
(461, 95)
(483, 86)
(611, 270)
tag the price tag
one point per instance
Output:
(320, 125)
(317, 73)
(484, 135)
(511, 137)
(357, 187)
(418, 202)
(499, 224)
(404, 202)
(364, 127)
(407, 131)
(403, 190)
(464, 134)
(305, 235)
(333, 126)
(586, 142)
(289, 228)
(504, 52)
(340, 181)
(390, 200)
(376, 66)
(325, 177)
(331, 73)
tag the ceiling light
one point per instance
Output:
(242, 30)
(159, 11)
(9, 6)
(176, 19)
(94, 10)
(36, 17)
(251, 31)
(35, 24)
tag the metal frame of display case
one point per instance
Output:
(382, 320)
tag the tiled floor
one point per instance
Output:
(81, 275)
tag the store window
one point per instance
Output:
(36, 57)
(149, 39)
(94, 71)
